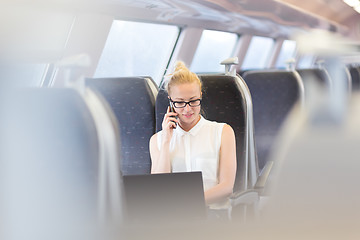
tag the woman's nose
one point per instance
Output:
(187, 107)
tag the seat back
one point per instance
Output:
(133, 103)
(320, 76)
(315, 78)
(49, 162)
(339, 75)
(110, 191)
(274, 93)
(355, 78)
(223, 101)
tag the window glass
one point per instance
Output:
(214, 47)
(306, 61)
(287, 51)
(137, 49)
(258, 53)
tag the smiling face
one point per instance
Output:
(188, 116)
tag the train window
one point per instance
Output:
(258, 53)
(287, 51)
(137, 48)
(306, 61)
(214, 47)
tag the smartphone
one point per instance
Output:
(172, 109)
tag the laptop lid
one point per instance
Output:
(164, 197)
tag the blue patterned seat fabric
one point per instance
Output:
(273, 93)
(133, 104)
(222, 102)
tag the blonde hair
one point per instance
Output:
(181, 75)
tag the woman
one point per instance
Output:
(189, 142)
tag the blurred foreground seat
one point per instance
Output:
(55, 164)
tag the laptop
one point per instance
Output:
(168, 197)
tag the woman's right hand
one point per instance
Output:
(169, 123)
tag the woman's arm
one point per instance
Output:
(227, 165)
(160, 160)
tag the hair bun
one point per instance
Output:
(181, 75)
(179, 65)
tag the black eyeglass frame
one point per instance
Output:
(186, 103)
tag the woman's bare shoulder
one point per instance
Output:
(154, 137)
(228, 130)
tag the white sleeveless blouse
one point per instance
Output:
(197, 150)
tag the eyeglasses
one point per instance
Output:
(182, 104)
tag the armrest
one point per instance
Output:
(244, 197)
(262, 179)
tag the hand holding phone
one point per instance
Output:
(172, 110)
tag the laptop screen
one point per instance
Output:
(164, 197)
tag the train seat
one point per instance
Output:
(132, 100)
(224, 101)
(50, 153)
(320, 76)
(336, 72)
(274, 93)
(355, 77)
(317, 159)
